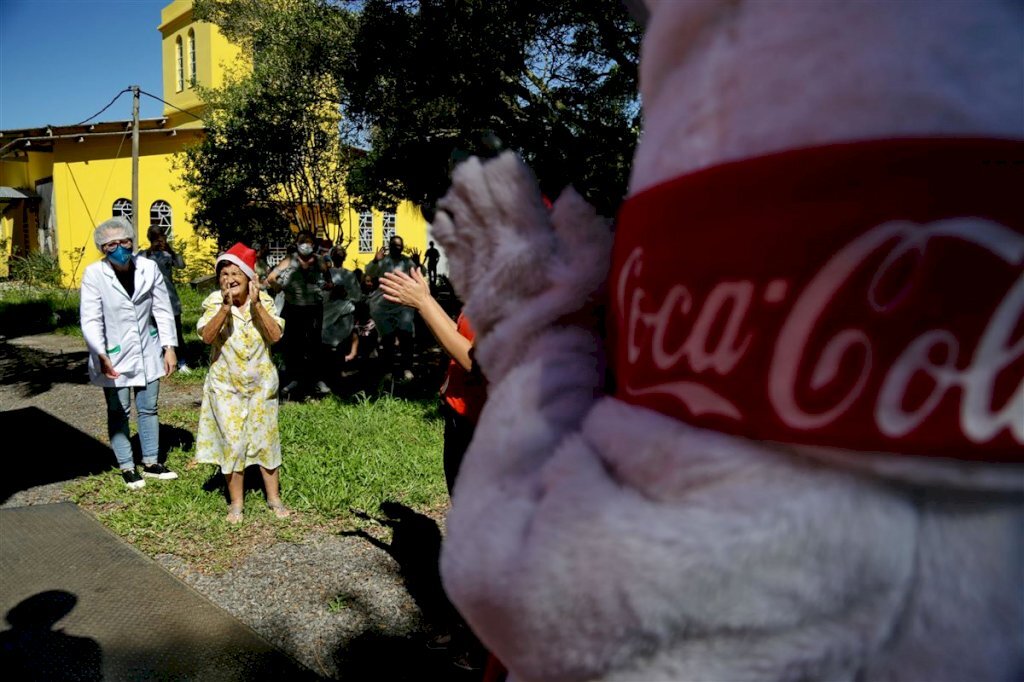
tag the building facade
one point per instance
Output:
(58, 182)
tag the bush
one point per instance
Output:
(36, 269)
(199, 255)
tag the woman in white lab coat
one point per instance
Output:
(128, 325)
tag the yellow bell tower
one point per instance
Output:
(194, 53)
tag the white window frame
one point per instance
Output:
(122, 208)
(179, 64)
(191, 58)
(161, 214)
(389, 226)
(366, 231)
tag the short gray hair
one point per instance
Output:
(117, 227)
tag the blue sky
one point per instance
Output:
(61, 61)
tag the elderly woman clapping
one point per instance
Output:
(238, 419)
(128, 325)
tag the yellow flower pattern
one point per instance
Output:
(238, 418)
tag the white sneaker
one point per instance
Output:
(132, 479)
(290, 387)
(183, 368)
(322, 388)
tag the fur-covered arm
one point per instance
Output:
(589, 538)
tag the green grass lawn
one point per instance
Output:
(337, 456)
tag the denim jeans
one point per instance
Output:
(118, 412)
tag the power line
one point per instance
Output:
(116, 97)
(198, 118)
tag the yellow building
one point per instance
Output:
(57, 183)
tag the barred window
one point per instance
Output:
(179, 64)
(389, 226)
(160, 214)
(277, 253)
(365, 232)
(191, 57)
(123, 208)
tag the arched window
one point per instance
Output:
(179, 64)
(191, 57)
(390, 224)
(160, 214)
(123, 208)
(365, 231)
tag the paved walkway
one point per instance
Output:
(82, 604)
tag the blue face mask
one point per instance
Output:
(120, 255)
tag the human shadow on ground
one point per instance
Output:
(416, 548)
(39, 370)
(33, 649)
(59, 452)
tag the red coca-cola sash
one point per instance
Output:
(866, 296)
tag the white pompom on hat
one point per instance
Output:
(242, 256)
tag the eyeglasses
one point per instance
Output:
(110, 246)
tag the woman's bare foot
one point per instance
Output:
(280, 511)
(234, 514)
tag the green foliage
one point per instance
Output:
(422, 84)
(339, 603)
(75, 257)
(200, 256)
(5, 256)
(336, 455)
(195, 351)
(435, 80)
(273, 154)
(36, 269)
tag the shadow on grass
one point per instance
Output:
(253, 481)
(36, 317)
(58, 452)
(170, 437)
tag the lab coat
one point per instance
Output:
(133, 331)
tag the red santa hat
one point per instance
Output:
(242, 256)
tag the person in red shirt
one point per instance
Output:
(463, 393)
(464, 390)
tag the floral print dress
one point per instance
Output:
(238, 419)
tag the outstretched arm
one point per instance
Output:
(413, 291)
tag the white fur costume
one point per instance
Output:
(591, 539)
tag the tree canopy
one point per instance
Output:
(432, 80)
(384, 96)
(275, 151)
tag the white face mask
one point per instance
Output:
(305, 249)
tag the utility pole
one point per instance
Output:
(135, 161)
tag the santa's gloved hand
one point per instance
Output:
(519, 267)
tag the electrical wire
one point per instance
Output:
(78, 263)
(116, 97)
(143, 92)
